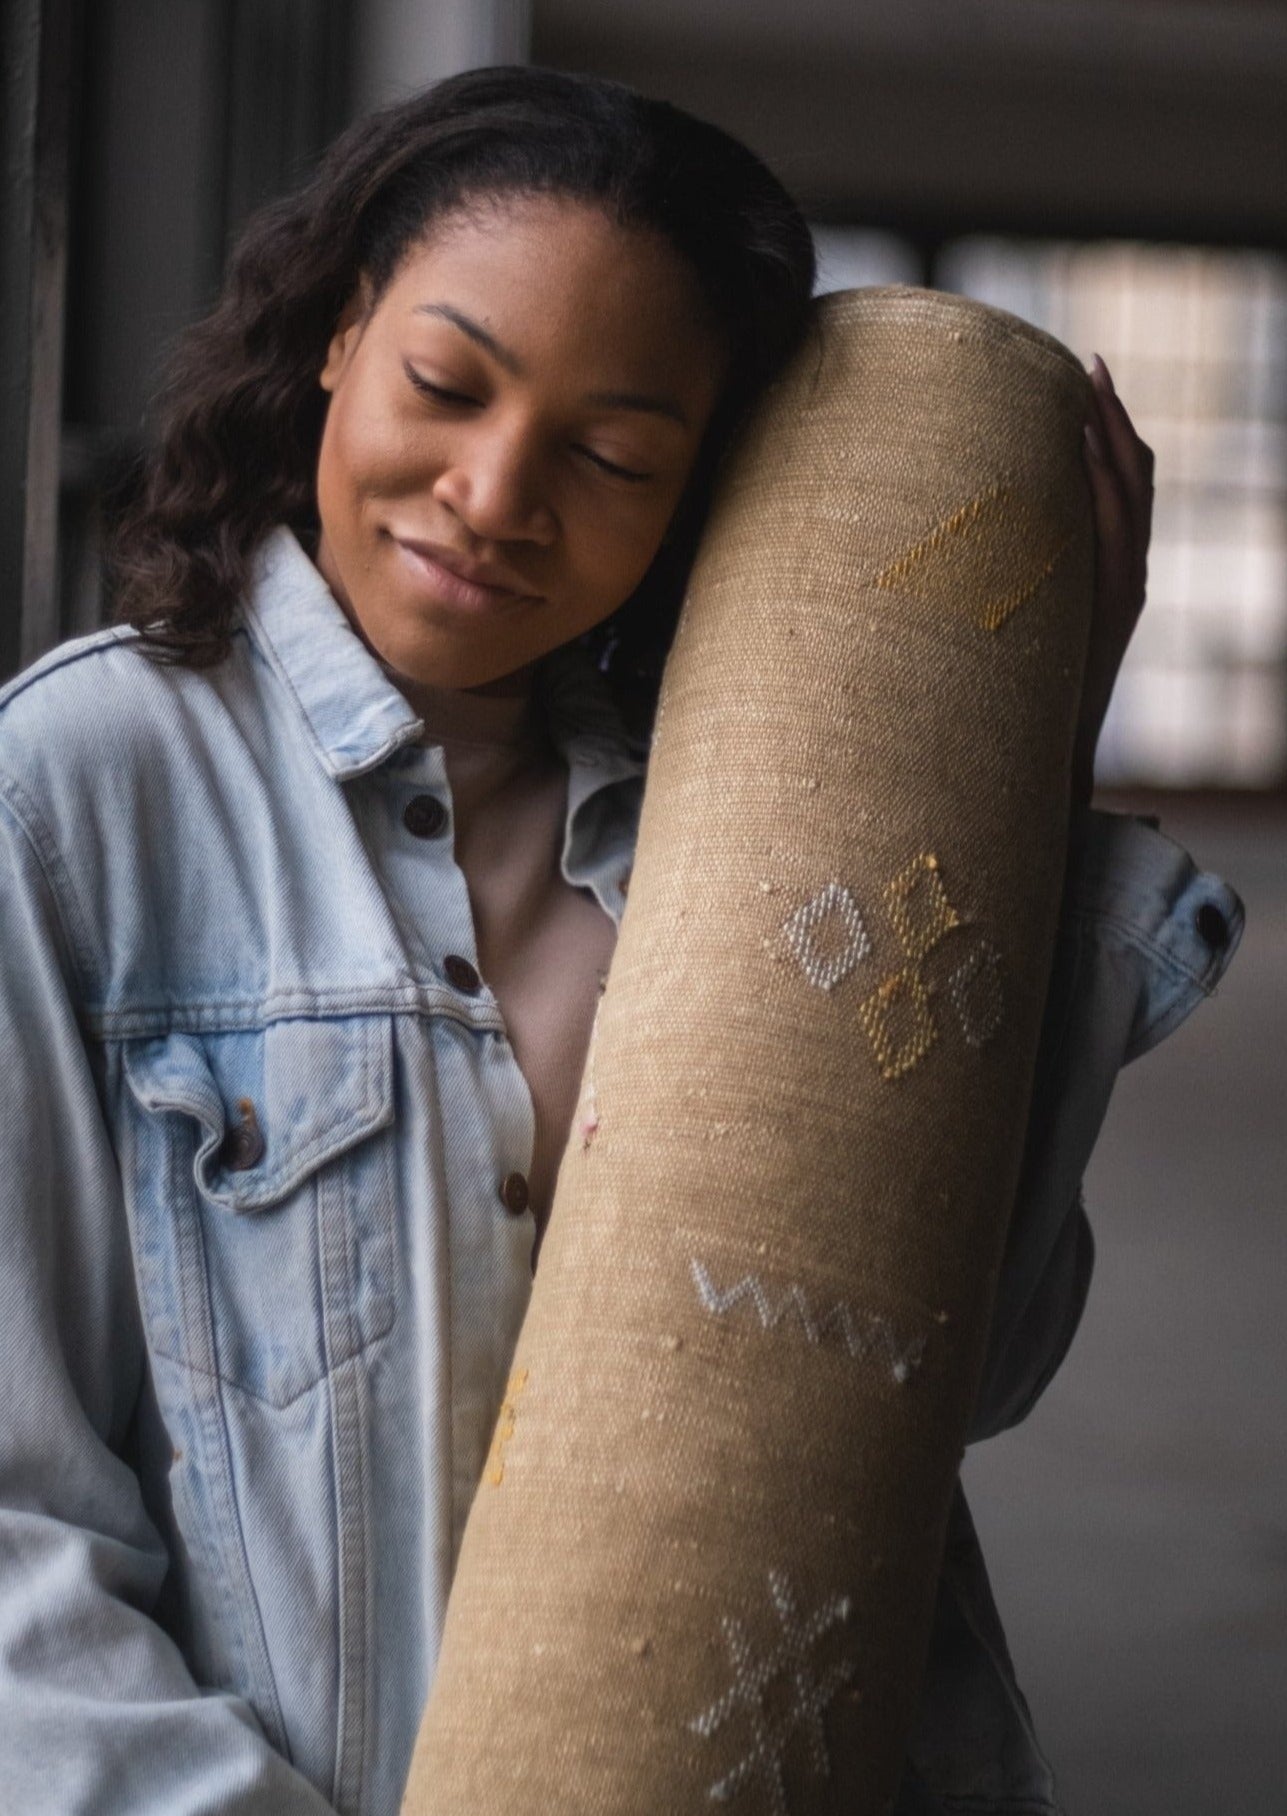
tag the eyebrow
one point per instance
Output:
(644, 401)
(639, 400)
(476, 332)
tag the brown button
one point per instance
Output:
(243, 1145)
(623, 882)
(462, 974)
(514, 1193)
(424, 816)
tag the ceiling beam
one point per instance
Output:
(1003, 142)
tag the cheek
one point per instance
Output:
(618, 542)
(366, 454)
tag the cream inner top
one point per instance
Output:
(542, 943)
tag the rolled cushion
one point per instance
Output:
(700, 1566)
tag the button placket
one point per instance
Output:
(461, 974)
(425, 817)
(515, 1194)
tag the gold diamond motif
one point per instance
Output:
(899, 1023)
(918, 906)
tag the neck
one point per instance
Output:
(515, 686)
(501, 712)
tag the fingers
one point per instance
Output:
(1120, 465)
(1115, 539)
(1113, 504)
(1132, 457)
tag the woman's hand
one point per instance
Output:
(1121, 482)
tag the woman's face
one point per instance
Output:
(509, 432)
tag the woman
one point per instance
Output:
(305, 917)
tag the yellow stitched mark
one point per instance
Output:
(898, 1022)
(994, 612)
(495, 1468)
(960, 523)
(969, 533)
(918, 906)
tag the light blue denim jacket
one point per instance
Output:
(258, 1289)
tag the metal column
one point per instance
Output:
(402, 45)
(37, 56)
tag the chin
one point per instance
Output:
(432, 665)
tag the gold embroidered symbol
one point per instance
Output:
(992, 554)
(828, 938)
(898, 1022)
(495, 1467)
(897, 1016)
(918, 906)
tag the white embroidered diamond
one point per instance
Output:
(977, 995)
(803, 927)
(808, 1695)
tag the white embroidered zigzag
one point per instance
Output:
(863, 1332)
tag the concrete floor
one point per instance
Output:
(1136, 1526)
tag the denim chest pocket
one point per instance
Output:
(261, 1177)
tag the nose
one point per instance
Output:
(494, 483)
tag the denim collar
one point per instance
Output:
(355, 714)
(356, 717)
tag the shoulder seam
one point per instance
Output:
(64, 654)
(22, 811)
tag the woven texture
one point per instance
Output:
(700, 1566)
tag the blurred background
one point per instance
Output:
(1113, 170)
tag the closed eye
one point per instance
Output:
(611, 466)
(439, 393)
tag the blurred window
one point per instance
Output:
(849, 258)
(1196, 340)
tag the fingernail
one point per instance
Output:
(1093, 442)
(1102, 373)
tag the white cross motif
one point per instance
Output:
(801, 931)
(809, 1695)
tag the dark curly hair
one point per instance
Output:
(241, 415)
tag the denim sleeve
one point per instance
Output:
(98, 1711)
(1144, 936)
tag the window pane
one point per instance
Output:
(1196, 340)
(850, 258)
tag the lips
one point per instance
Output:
(476, 585)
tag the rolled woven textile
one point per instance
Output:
(701, 1563)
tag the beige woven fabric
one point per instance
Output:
(700, 1566)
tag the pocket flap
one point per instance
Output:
(312, 1089)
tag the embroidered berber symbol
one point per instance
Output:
(918, 907)
(973, 554)
(899, 1022)
(808, 1694)
(897, 1016)
(828, 938)
(495, 1466)
(975, 989)
(862, 1333)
